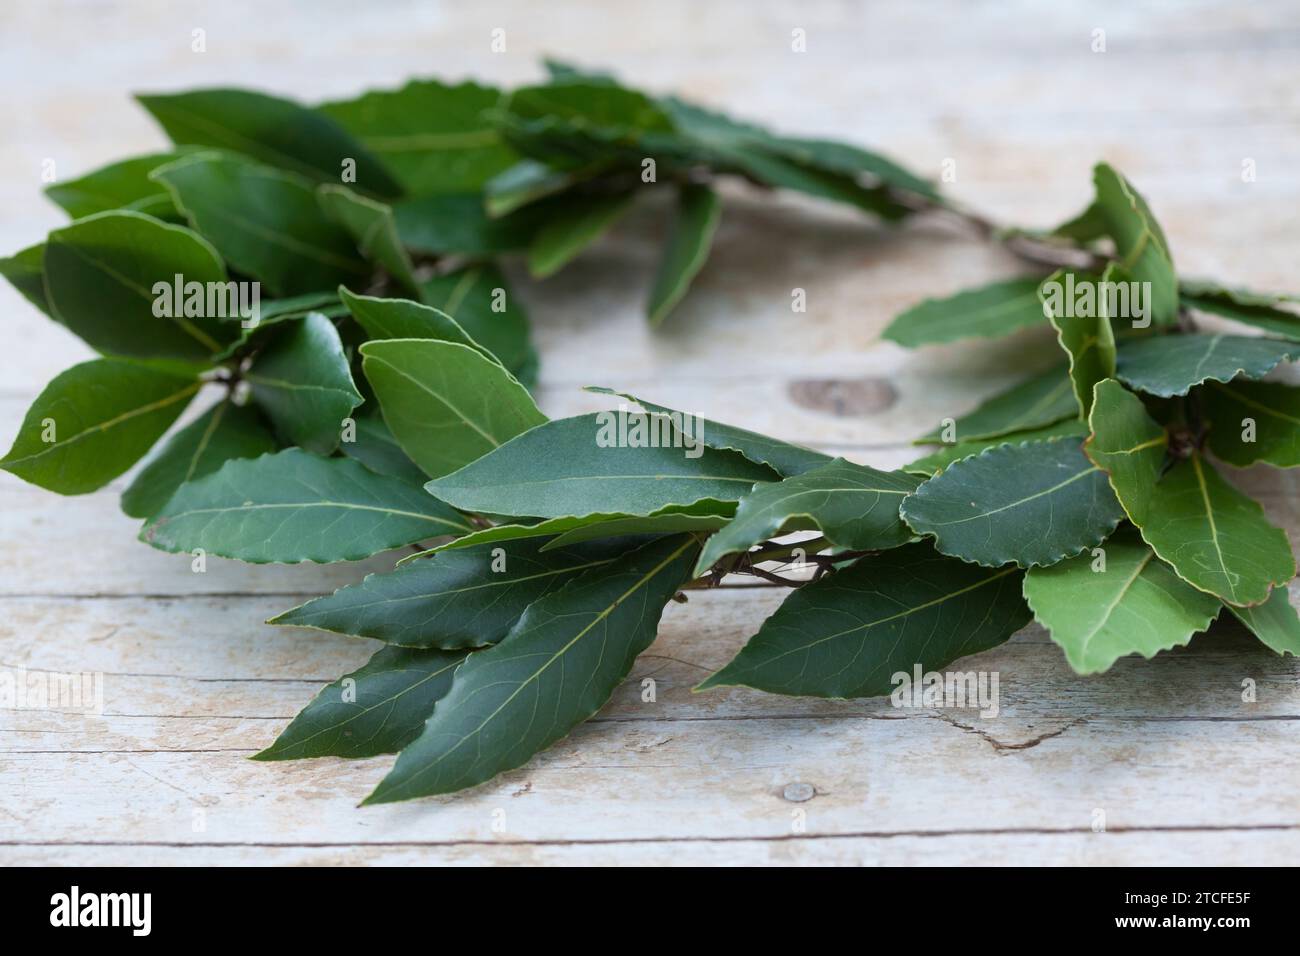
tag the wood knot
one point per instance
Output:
(844, 397)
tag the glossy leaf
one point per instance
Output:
(377, 709)
(25, 271)
(93, 422)
(404, 319)
(849, 633)
(272, 130)
(698, 211)
(1032, 504)
(373, 229)
(455, 599)
(266, 222)
(1170, 365)
(1042, 400)
(1128, 445)
(853, 506)
(478, 298)
(446, 404)
(987, 312)
(1085, 334)
(375, 447)
(294, 506)
(1274, 622)
(459, 224)
(302, 381)
(937, 461)
(1132, 604)
(1216, 538)
(1139, 240)
(431, 135)
(528, 181)
(121, 185)
(223, 432)
(104, 276)
(575, 466)
(558, 665)
(1266, 413)
(576, 226)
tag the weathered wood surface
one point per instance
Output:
(1183, 770)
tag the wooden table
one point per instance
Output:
(1165, 751)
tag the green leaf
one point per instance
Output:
(558, 665)
(378, 709)
(1032, 504)
(1128, 445)
(937, 461)
(1169, 365)
(698, 211)
(404, 319)
(447, 404)
(987, 312)
(780, 172)
(375, 447)
(854, 507)
(528, 181)
(456, 599)
(482, 305)
(121, 185)
(1131, 604)
(1088, 226)
(1140, 242)
(25, 270)
(1216, 538)
(374, 230)
(459, 224)
(272, 130)
(782, 457)
(570, 528)
(93, 422)
(577, 466)
(266, 222)
(1266, 310)
(1274, 622)
(849, 633)
(580, 223)
(302, 381)
(1085, 334)
(1271, 412)
(1042, 400)
(431, 135)
(294, 506)
(223, 432)
(104, 275)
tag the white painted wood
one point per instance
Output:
(1184, 770)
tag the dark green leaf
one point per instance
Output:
(1085, 334)
(850, 633)
(1032, 504)
(1142, 247)
(373, 229)
(1266, 413)
(459, 224)
(1043, 400)
(378, 709)
(266, 222)
(404, 319)
(698, 211)
(1244, 309)
(295, 506)
(93, 422)
(121, 185)
(302, 381)
(528, 181)
(574, 228)
(455, 599)
(579, 466)
(223, 432)
(557, 667)
(1169, 365)
(853, 506)
(272, 130)
(432, 136)
(25, 270)
(375, 447)
(477, 297)
(937, 461)
(1128, 445)
(1274, 622)
(110, 275)
(987, 312)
